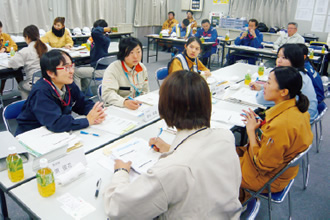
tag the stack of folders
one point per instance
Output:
(244, 96)
(137, 151)
(41, 141)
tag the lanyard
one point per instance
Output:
(58, 95)
(189, 137)
(137, 91)
(194, 68)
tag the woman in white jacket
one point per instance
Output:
(197, 177)
(29, 58)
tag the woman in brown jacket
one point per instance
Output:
(283, 134)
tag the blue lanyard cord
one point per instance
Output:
(137, 91)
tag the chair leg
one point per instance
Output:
(321, 134)
(269, 203)
(317, 138)
(303, 170)
(289, 200)
(306, 171)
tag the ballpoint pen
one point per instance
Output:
(160, 132)
(98, 186)
(257, 117)
(130, 98)
(85, 132)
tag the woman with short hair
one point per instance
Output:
(198, 175)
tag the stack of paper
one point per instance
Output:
(137, 151)
(244, 96)
(116, 125)
(227, 116)
(40, 141)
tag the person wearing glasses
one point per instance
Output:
(55, 96)
(292, 37)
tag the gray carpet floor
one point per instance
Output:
(312, 203)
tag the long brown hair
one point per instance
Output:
(32, 32)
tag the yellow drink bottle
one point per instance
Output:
(323, 49)
(12, 52)
(227, 36)
(247, 79)
(311, 54)
(45, 179)
(202, 39)
(14, 165)
(261, 69)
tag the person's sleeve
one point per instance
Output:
(268, 155)
(146, 88)
(238, 40)
(45, 38)
(142, 199)
(173, 29)
(175, 66)
(198, 33)
(301, 40)
(261, 100)
(214, 36)
(17, 61)
(110, 88)
(256, 42)
(11, 43)
(98, 36)
(82, 105)
(277, 43)
(68, 38)
(49, 114)
(201, 66)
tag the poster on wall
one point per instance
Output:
(321, 7)
(220, 1)
(318, 23)
(327, 27)
(305, 10)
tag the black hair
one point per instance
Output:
(100, 23)
(255, 21)
(0, 24)
(171, 12)
(191, 12)
(206, 21)
(50, 60)
(295, 54)
(305, 53)
(32, 32)
(289, 78)
(186, 22)
(192, 39)
(126, 45)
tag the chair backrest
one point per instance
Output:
(318, 45)
(99, 92)
(12, 111)
(161, 74)
(36, 75)
(104, 61)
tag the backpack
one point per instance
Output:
(262, 27)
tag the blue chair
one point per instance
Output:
(161, 74)
(36, 76)
(99, 92)
(104, 61)
(279, 196)
(12, 111)
(318, 122)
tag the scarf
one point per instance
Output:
(58, 33)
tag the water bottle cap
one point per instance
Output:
(43, 163)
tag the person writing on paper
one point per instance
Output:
(283, 134)
(182, 30)
(252, 38)
(210, 34)
(127, 77)
(185, 182)
(292, 55)
(100, 45)
(167, 29)
(59, 36)
(29, 58)
(188, 60)
(55, 96)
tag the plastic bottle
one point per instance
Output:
(227, 36)
(323, 49)
(202, 39)
(12, 52)
(311, 54)
(247, 79)
(45, 179)
(14, 165)
(261, 69)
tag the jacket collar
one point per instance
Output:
(138, 68)
(279, 108)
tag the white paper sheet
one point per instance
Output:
(321, 7)
(327, 27)
(304, 14)
(318, 23)
(116, 125)
(75, 207)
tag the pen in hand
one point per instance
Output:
(85, 132)
(160, 132)
(98, 187)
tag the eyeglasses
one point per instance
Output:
(66, 67)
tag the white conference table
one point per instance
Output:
(85, 186)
